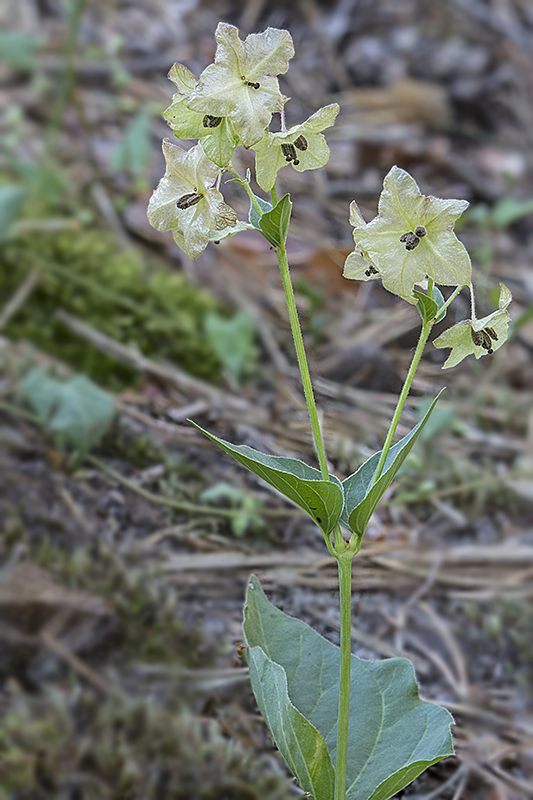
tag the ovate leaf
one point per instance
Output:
(362, 497)
(298, 741)
(41, 392)
(304, 485)
(275, 224)
(393, 735)
(76, 412)
(233, 341)
(12, 199)
(254, 215)
(427, 307)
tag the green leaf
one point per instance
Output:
(304, 485)
(77, 413)
(232, 340)
(509, 210)
(438, 297)
(19, 49)
(12, 199)
(249, 519)
(393, 737)
(298, 741)
(362, 497)
(134, 151)
(427, 308)
(274, 225)
(254, 216)
(41, 392)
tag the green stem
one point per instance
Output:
(302, 360)
(344, 562)
(424, 334)
(246, 186)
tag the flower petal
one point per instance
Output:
(183, 79)
(436, 253)
(359, 267)
(241, 84)
(460, 337)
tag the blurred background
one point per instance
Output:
(126, 539)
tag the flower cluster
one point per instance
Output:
(230, 104)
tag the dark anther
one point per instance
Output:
(477, 338)
(301, 143)
(253, 84)
(410, 239)
(371, 271)
(420, 231)
(211, 122)
(189, 200)
(484, 339)
(289, 152)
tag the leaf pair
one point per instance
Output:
(393, 735)
(351, 502)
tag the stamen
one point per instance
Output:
(211, 122)
(289, 152)
(477, 338)
(411, 240)
(301, 143)
(189, 200)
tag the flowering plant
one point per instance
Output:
(347, 728)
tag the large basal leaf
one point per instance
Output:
(393, 735)
(361, 496)
(299, 742)
(304, 485)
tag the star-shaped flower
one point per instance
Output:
(477, 336)
(187, 203)
(358, 266)
(216, 134)
(303, 146)
(242, 83)
(412, 237)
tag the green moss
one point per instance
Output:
(150, 628)
(71, 744)
(84, 273)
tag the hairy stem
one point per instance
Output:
(246, 186)
(344, 563)
(302, 360)
(424, 333)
